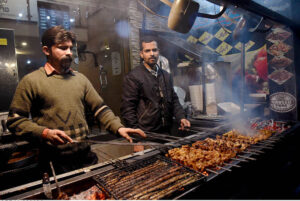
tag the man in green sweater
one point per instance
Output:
(56, 96)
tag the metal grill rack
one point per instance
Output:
(151, 178)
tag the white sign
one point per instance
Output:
(116, 63)
(17, 9)
(282, 102)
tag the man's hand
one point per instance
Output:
(57, 137)
(124, 132)
(184, 123)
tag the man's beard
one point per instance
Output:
(65, 63)
(152, 64)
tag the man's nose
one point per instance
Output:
(69, 52)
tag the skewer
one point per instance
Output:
(254, 150)
(246, 157)
(276, 138)
(185, 141)
(262, 146)
(234, 165)
(249, 152)
(266, 143)
(203, 174)
(197, 131)
(237, 159)
(209, 170)
(224, 168)
(270, 140)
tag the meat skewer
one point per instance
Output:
(209, 170)
(234, 165)
(255, 150)
(246, 157)
(172, 188)
(161, 185)
(250, 152)
(238, 159)
(229, 170)
(145, 182)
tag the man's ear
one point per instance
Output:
(46, 50)
(141, 55)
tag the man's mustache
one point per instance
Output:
(67, 59)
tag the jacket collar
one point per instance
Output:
(154, 71)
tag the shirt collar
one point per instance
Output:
(153, 71)
(50, 70)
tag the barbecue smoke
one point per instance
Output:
(243, 127)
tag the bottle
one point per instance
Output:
(47, 186)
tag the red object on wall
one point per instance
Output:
(261, 64)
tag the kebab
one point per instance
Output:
(215, 152)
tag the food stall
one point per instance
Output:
(235, 66)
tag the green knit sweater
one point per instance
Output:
(57, 102)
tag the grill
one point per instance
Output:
(241, 155)
(151, 178)
(155, 176)
(160, 177)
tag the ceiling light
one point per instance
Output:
(24, 44)
(28, 61)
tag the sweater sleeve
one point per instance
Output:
(130, 100)
(100, 110)
(18, 121)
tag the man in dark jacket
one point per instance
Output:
(149, 101)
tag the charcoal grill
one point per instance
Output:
(253, 152)
(151, 178)
(122, 186)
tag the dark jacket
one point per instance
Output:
(149, 102)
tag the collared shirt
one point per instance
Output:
(153, 72)
(50, 70)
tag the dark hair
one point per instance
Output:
(57, 35)
(146, 39)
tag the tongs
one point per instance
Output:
(160, 136)
(124, 143)
(120, 143)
